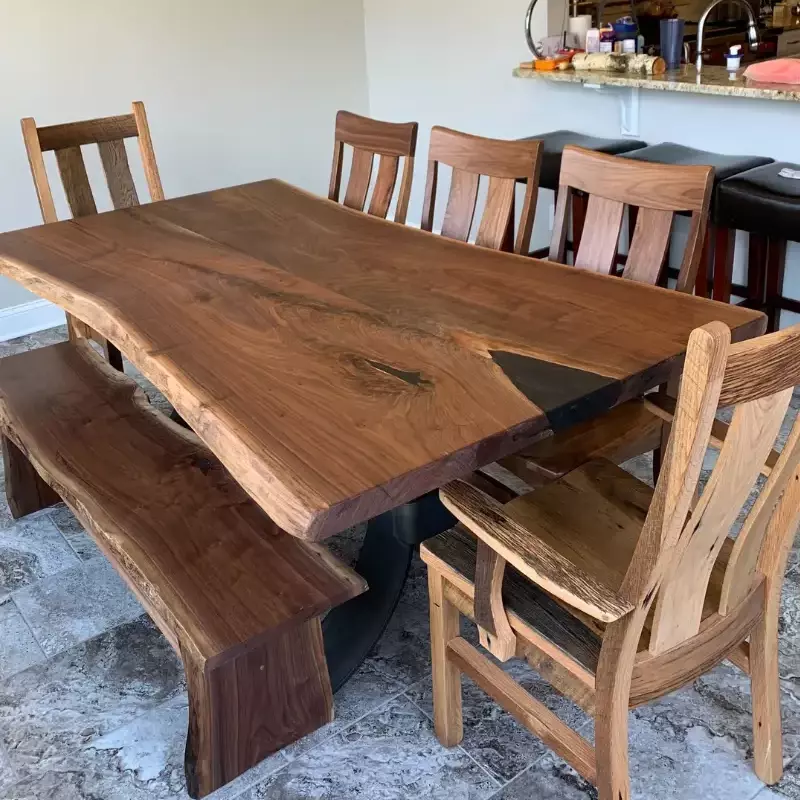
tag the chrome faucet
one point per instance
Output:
(752, 29)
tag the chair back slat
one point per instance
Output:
(72, 168)
(762, 366)
(360, 176)
(657, 191)
(598, 248)
(679, 608)
(121, 187)
(460, 211)
(388, 169)
(683, 537)
(503, 163)
(497, 215)
(371, 139)
(649, 244)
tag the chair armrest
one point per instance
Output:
(531, 556)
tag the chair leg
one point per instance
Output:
(611, 750)
(447, 720)
(766, 693)
(723, 263)
(757, 271)
(776, 267)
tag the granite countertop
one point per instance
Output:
(712, 80)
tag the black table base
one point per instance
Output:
(351, 630)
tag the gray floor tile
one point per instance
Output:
(31, 549)
(666, 763)
(73, 532)
(403, 652)
(367, 690)
(389, 755)
(789, 785)
(76, 605)
(491, 735)
(33, 340)
(18, 647)
(54, 709)
(8, 775)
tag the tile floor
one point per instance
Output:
(93, 702)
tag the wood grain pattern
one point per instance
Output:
(371, 139)
(530, 555)
(191, 545)
(341, 333)
(504, 163)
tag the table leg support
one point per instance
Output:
(352, 629)
(26, 492)
(250, 705)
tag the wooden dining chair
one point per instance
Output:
(66, 140)
(503, 163)
(619, 594)
(371, 138)
(655, 193)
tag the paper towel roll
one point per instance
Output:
(580, 26)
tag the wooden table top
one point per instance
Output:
(340, 365)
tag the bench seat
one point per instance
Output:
(239, 599)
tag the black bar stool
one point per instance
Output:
(719, 239)
(767, 206)
(552, 150)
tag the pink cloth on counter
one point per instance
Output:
(781, 70)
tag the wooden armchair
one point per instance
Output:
(66, 140)
(620, 594)
(369, 138)
(504, 163)
(656, 193)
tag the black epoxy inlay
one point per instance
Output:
(412, 378)
(567, 395)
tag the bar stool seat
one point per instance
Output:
(767, 206)
(761, 200)
(724, 165)
(554, 143)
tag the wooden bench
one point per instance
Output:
(239, 599)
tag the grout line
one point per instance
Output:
(45, 657)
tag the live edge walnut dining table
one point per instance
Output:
(343, 367)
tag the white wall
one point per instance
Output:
(235, 90)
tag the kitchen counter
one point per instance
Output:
(712, 80)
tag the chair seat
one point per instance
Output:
(593, 516)
(724, 165)
(554, 143)
(626, 431)
(761, 201)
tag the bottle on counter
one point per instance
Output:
(606, 39)
(593, 40)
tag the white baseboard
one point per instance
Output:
(38, 315)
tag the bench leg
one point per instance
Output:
(249, 706)
(26, 492)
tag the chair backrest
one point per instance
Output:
(504, 163)
(683, 536)
(108, 134)
(369, 138)
(658, 191)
